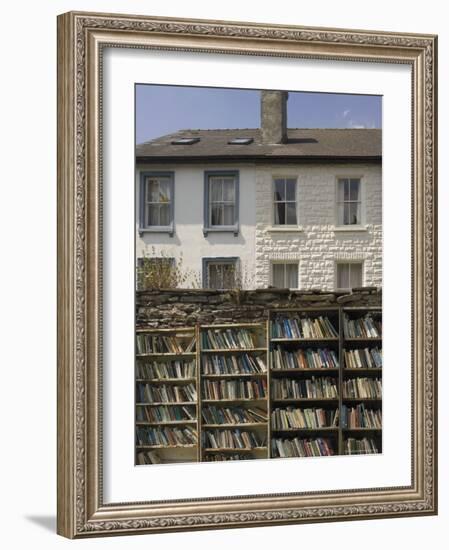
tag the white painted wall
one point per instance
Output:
(316, 245)
(188, 239)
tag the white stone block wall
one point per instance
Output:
(317, 245)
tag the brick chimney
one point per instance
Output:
(273, 116)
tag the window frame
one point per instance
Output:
(231, 260)
(349, 227)
(346, 262)
(283, 262)
(207, 227)
(143, 227)
(273, 202)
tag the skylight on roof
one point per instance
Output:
(240, 141)
(185, 141)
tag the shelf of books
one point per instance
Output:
(361, 409)
(303, 383)
(304, 389)
(166, 395)
(234, 390)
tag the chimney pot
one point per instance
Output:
(273, 116)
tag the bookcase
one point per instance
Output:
(303, 382)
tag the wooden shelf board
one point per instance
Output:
(241, 425)
(237, 400)
(163, 380)
(364, 370)
(168, 355)
(241, 375)
(362, 399)
(237, 450)
(146, 330)
(324, 339)
(233, 350)
(289, 430)
(142, 447)
(169, 403)
(233, 325)
(362, 429)
(291, 371)
(304, 399)
(364, 339)
(168, 423)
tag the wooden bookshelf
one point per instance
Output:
(229, 366)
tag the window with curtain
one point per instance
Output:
(220, 274)
(157, 199)
(222, 200)
(285, 201)
(285, 275)
(349, 275)
(349, 201)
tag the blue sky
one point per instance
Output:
(165, 109)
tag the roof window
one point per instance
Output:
(241, 141)
(185, 141)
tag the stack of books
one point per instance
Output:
(232, 439)
(233, 415)
(360, 417)
(166, 436)
(170, 369)
(151, 343)
(363, 358)
(302, 327)
(290, 418)
(288, 448)
(233, 364)
(368, 388)
(147, 393)
(231, 338)
(162, 413)
(304, 359)
(364, 327)
(360, 446)
(234, 389)
(311, 388)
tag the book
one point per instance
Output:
(233, 415)
(233, 364)
(290, 418)
(360, 417)
(165, 393)
(303, 359)
(323, 387)
(166, 436)
(300, 327)
(234, 389)
(364, 327)
(162, 413)
(155, 370)
(231, 338)
(364, 446)
(368, 388)
(162, 343)
(233, 439)
(366, 358)
(297, 447)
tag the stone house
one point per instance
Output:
(273, 206)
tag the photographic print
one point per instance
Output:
(258, 270)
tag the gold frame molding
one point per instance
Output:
(81, 38)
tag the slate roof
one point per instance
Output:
(303, 144)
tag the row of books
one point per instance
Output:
(170, 369)
(290, 418)
(166, 436)
(234, 389)
(364, 327)
(367, 358)
(148, 457)
(233, 364)
(233, 415)
(368, 388)
(222, 457)
(147, 393)
(150, 343)
(233, 439)
(162, 413)
(297, 447)
(304, 359)
(360, 417)
(231, 338)
(321, 387)
(363, 446)
(302, 327)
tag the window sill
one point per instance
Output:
(285, 229)
(231, 229)
(350, 229)
(169, 230)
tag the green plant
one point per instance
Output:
(159, 270)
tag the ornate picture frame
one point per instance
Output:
(82, 38)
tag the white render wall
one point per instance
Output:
(188, 239)
(316, 245)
